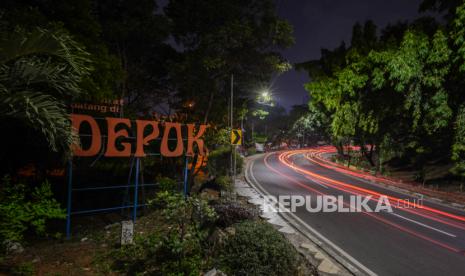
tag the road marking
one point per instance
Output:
(312, 230)
(424, 225)
(398, 190)
(397, 215)
(316, 181)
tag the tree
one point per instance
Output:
(79, 19)
(312, 125)
(390, 95)
(442, 6)
(136, 34)
(458, 146)
(39, 72)
(220, 38)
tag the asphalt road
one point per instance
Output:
(425, 240)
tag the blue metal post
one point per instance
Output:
(70, 190)
(186, 173)
(136, 191)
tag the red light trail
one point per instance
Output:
(314, 155)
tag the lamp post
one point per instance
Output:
(265, 98)
(233, 148)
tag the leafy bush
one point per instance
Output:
(220, 136)
(167, 184)
(224, 182)
(23, 209)
(178, 249)
(219, 160)
(185, 213)
(251, 150)
(260, 138)
(23, 269)
(231, 212)
(257, 248)
(159, 254)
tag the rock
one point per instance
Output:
(328, 267)
(218, 236)
(36, 260)
(211, 272)
(214, 272)
(210, 194)
(319, 256)
(286, 230)
(230, 230)
(13, 247)
(309, 247)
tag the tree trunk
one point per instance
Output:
(369, 156)
(378, 156)
(340, 148)
(192, 173)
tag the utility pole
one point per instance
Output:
(242, 129)
(233, 156)
(253, 140)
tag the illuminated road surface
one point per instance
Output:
(421, 240)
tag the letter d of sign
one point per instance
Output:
(191, 139)
(144, 141)
(164, 150)
(112, 151)
(96, 142)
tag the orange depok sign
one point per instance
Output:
(142, 138)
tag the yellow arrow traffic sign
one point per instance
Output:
(236, 137)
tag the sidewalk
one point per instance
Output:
(307, 245)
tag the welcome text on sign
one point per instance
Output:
(142, 139)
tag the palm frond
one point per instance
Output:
(41, 112)
(56, 43)
(31, 72)
(39, 72)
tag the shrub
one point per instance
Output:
(231, 212)
(167, 184)
(257, 248)
(23, 269)
(219, 160)
(251, 150)
(179, 248)
(185, 213)
(159, 254)
(224, 182)
(23, 209)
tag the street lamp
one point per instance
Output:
(265, 98)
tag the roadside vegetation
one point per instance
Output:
(397, 94)
(175, 236)
(163, 65)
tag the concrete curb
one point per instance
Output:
(445, 203)
(315, 251)
(434, 200)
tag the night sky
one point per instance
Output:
(324, 24)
